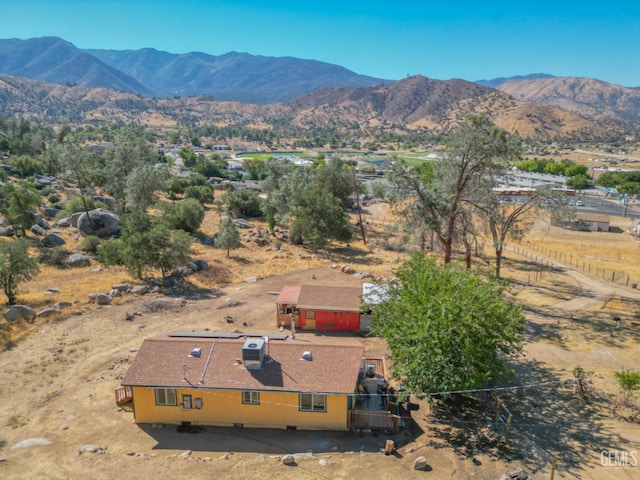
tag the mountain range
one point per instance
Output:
(52, 80)
(152, 73)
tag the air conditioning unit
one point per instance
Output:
(253, 353)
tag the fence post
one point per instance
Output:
(554, 461)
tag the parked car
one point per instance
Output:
(579, 203)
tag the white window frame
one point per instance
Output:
(166, 397)
(250, 397)
(315, 402)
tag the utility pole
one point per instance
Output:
(356, 192)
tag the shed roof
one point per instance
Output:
(166, 362)
(316, 297)
(590, 217)
(289, 295)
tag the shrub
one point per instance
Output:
(91, 243)
(53, 198)
(54, 258)
(25, 166)
(186, 215)
(242, 203)
(75, 204)
(202, 193)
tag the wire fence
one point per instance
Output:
(548, 259)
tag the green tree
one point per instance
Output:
(188, 157)
(317, 217)
(228, 236)
(447, 327)
(201, 193)
(147, 244)
(132, 151)
(255, 168)
(18, 205)
(79, 165)
(629, 382)
(16, 266)
(186, 215)
(242, 203)
(142, 184)
(578, 182)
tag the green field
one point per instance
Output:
(266, 155)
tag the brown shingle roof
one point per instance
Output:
(165, 362)
(343, 299)
(289, 294)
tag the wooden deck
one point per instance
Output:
(123, 395)
(380, 420)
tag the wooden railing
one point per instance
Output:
(362, 419)
(123, 395)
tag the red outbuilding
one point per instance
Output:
(315, 307)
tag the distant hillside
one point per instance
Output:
(409, 105)
(439, 106)
(151, 73)
(496, 82)
(590, 98)
(232, 76)
(52, 60)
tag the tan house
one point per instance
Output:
(204, 378)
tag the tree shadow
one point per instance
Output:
(547, 418)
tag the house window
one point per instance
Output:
(311, 314)
(313, 402)
(251, 398)
(186, 401)
(166, 396)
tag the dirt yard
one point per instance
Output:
(58, 383)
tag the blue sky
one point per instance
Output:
(388, 39)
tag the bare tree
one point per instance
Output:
(438, 198)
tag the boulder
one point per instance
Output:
(47, 312)
(241, 223)
(61, 305)
(420, 463)
(109, 202)
(92, 449)
(123, 287)
(140, 290)
(6, 231)
(19, 312)
(74, 218)
(31, 442)
(202, 265)
(362, 275)
(42, 180)
(289, 460)
(99, 222)
(50, 213)
(78, 260)
(38, 230)
(64, 222)
(102, 299)
(38, 220)
(52, 240)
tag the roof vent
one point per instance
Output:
(253, 353)
(307, 356)
(196, 353)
